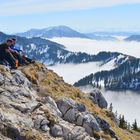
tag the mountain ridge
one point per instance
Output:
(133, 38)
(123, 77)
(36, 104)
(54, 31)
(52, 53)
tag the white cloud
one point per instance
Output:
(125, 102)
(72, 73)
(94, 46)
(18, 7)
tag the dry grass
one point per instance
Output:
(53, 120)
(29, 135)
(50, 82)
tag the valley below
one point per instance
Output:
(126, 102)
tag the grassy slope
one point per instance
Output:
(46, 82)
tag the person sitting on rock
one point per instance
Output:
(17, 53)
(6, 55)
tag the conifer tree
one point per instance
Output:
(111, 108)
(134, 125)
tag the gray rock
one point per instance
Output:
(24, 108)
(103, 124)
(90, 124)
(52, 106)
(20, 79)
(1, 79)
(41, 123)
(106, 127)
(97, 98)
(56, 131)
(45, 128)
(65, 104)
(80, 119)
(44, 122)
(78, 133)
(81, 107)
(70, 115)
(72, 132)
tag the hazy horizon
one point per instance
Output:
(81, 30)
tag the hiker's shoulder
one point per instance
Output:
(3, 44)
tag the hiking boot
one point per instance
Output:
(17, 64)
(32, 61)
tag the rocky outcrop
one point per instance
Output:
(25, 114)
(97, 98)
(90, 122)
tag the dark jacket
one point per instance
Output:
(3, 47)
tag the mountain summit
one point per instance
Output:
(36, 104)
(55, 31)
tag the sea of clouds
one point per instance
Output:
(125, 102)
(96, 46)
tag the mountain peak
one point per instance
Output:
(54, 31)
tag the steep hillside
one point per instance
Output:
(56, 31)
(123, 77)
(36, 104)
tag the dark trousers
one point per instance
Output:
(6, 55)
(18, 57)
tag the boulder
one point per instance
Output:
(72, 132)
(90, 124)
(71, 113)
(41, 123)
(106, 127)
(52, 106)
(56, 131)
(97, 98)
(65, 104)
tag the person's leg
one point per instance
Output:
(1, 60)
(9, 58)
(28, 59)
(19, 57)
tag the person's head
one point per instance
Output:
(9, 42)
(13, 41)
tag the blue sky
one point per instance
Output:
(82, 15)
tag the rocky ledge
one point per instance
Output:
(29, 111)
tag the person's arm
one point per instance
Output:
(14, 51)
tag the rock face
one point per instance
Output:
(27, 115)
(97, 98)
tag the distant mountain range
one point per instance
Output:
(52, 53)
(113, 33)
(133, 38)
(124, 76)
(101, 37)
(65, 31)
(56, 31)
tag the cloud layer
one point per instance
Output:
(19, 7)
(94, 46)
